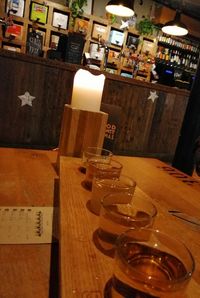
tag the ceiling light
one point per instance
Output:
(123, 8)
(175, 27)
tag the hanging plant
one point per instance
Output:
(76, 7)
(111, 18)
(145, 27)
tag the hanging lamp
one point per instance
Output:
(175, 27)
(123, 8)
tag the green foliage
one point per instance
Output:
(145, 27)
(76, 7)
(113, 18)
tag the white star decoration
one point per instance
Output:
(26, 99)
(124, 25)
(153, 95)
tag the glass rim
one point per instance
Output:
(97, 148)
(99, 162)
(104, 182)
(130, 218)
(189, 272)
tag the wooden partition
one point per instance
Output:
(151, 117)
(148, 127)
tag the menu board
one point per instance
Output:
(74, 50)
(34, 44)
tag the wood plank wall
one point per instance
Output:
(147, 128)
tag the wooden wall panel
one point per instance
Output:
(39, 124)
(146, 127)
(166, 124)
(136, 114)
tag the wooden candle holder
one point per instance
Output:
(81, 129)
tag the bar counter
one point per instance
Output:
(148, 126)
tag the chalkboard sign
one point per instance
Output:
(34, 44)
(74, 49)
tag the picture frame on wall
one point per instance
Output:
(15, 30)
(81, 26)
(34, 44)
(39, 12)
(15, 7)
(88, 8)
(40, 32)
(60, 20)
(148, 46)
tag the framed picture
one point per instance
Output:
(88, 7)
(14, 30)
(39, 12)
(99, 31)
(16, 7)
(81, 26)
(148, 47)
(60, 20)
(40, 32)
(54, 41)
(34, 44)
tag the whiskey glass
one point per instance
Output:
(150, 264)
(97, 167)
(102, 186)
(97, 153)
(120, 212)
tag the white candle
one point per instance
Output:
(87, 91)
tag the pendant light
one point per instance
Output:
(175, 27)
(123, 8)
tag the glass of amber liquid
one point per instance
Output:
(98, 168)
(150, 264)
(101, 154)
(104, 186)
(121, 211)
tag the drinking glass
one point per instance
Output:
(97, 167)
(103, 186)
(95, 152)
(116, 217)
(150, 264)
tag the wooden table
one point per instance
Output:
(26, 179)
(84, 270)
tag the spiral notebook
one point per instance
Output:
(23, 225)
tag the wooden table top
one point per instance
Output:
(26, 179)
(84, 269)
